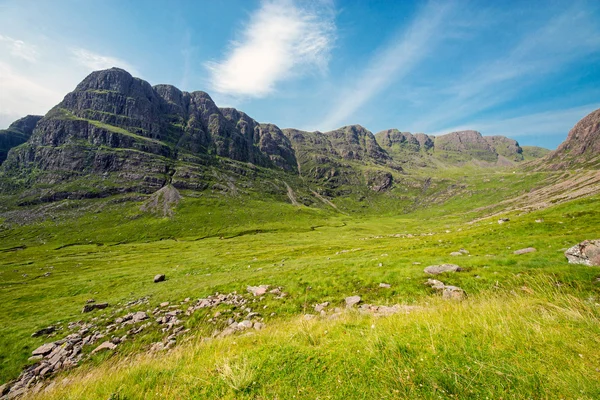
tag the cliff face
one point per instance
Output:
(115, 123)
(582, 146)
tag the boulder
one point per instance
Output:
(439, 269)
(453, 293)
(435, 284)
(44, 331)
(448, 292)
(352, 301)
(586, 253)
(104, 346)
(524, 251)
(43, 349)
(91, 307)
(159, 278)
(258, 290)
(385, 285)
(139, 316)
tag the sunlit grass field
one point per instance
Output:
(527, 329)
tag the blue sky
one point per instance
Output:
(528, 70)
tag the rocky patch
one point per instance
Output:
(448, 292)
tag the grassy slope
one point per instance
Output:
(223, 244)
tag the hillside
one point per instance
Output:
(581, 149)
(452, 149)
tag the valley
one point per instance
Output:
(266, 235)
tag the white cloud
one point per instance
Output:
(95, 62)
(394, 61)
(282, 39)
(20, 49)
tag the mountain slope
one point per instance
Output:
(581, 149)
(455, 148)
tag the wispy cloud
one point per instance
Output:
(20, 49)
(564, 39)
(283, 39)
(94, 62)
(392, 62)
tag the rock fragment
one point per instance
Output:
(44, 331)
(439, 269)
(91, 307)
(104, 346)
(258, 290)
(524, 251)
(352, 301)
(159, 278)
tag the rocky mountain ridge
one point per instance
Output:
(118, 133)
(452, 148)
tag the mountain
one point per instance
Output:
(17, 133)
(581, 149)
(348, 156)
(454, 148)
(129, 135)
(116, 133)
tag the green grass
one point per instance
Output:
(503, 341)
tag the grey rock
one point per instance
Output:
(456, 253)
(258, 290)
(104, 346)
(352, 301)
(91, 307)
(245, 324)
(385, 285)
(321, 306)
(139, 316)
(44, 331)
(586, 253)
(44, 349)
(259, 326)
(453, 293)
(439, 269)
(159, 278)
(435, 284)
(525, 251)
